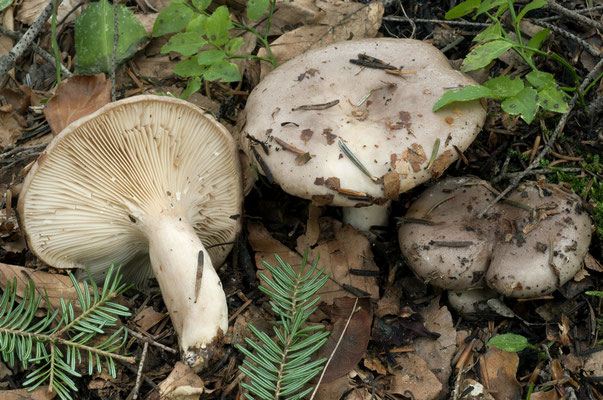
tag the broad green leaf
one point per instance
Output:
(460, 10)
(529, 7)
(210, 57)
(217, 26)
(540, 79)
(524, 104)
(492, 32)
(94, 37)
(201, 4)
(502, 9)
(224, 71)
(233, 45)
(193, 85)
(173, 18)
(186, 43)
(552, 98)
(483, 54)
(536, 41)
(5, 4)
(464, 94)
(198, 24)
(504, 86)
(509, 342)
(189, 68)
(487, 5)
(257, 8)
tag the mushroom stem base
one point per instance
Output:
(364, 217)
(190, 286)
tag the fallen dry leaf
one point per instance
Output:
(354, 339)
(440, 164)
(437, 353)
(40, 393)
(473, 390)
(56, 286)
(498, 369)
(341, 21)
(548, 395)
(30, 9)
(148, 318)
(77, 97)
(414, 379)
(10, 130)
(592, 263)
(181, 384)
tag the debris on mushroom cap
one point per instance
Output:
(148, 174)
(335, 115)
(528, 245)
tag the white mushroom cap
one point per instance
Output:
(528, 245)
(145, 174)
(385, 120)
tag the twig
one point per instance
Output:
(574, 15)
(549, 145)
(19, 149)
(37, 49)
(151, 341)
(7, 61)
(580, 11)
(534, 172)
(345, 328)
(587, 46)
(114, 54)
(143, 357)
(434, 21)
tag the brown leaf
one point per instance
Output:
(77, 97)
(148, 318)
(354, 338)
(182, 384)
(440, 164)
(340, 21)
(40, 393)
(592, 263)
(10, 130)
(30, 9)
(498, 369)
(548, 395)
(391, 185)
(415, 156)
(412, 375)
(57, 286)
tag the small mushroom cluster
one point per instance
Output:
(151, 183)
(527, 245)
(346, 125)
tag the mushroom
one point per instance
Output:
(343, 125)
(151, 183)
(527, 245)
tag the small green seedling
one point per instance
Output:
(520, 96)
(207, 43)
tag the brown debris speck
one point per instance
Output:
(306, 134)
(391, 185)
(329, 136)
(440, 164)
(333, 183)
(415, 156)
(320, 200)
(449, 120)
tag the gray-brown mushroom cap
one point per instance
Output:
(528, 245)
(297, 116)
(85, 202)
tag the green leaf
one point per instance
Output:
(504, 86)
(257, 8)
(193, 85)
(483, 54)
(487, 5)
(233, 45)
(94, 37)
(173, 18)
(186, 43)
(509, 342)
(552, 98)
(217, 26)
(524, 104)
(596, 293)
(492, 32)
(536, 41)
(224, 71)
(210, 57)
(460, 10)
(529, 7)
(189, 68)
(5, 4)
(201, 4)
(464, 94)
(540, 79)
(198, 25)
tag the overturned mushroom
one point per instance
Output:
(151, 183)
(344, 125)
(528, 245)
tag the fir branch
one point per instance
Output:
(280, 368)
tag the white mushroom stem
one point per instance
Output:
(191, 289)
(363, 218)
